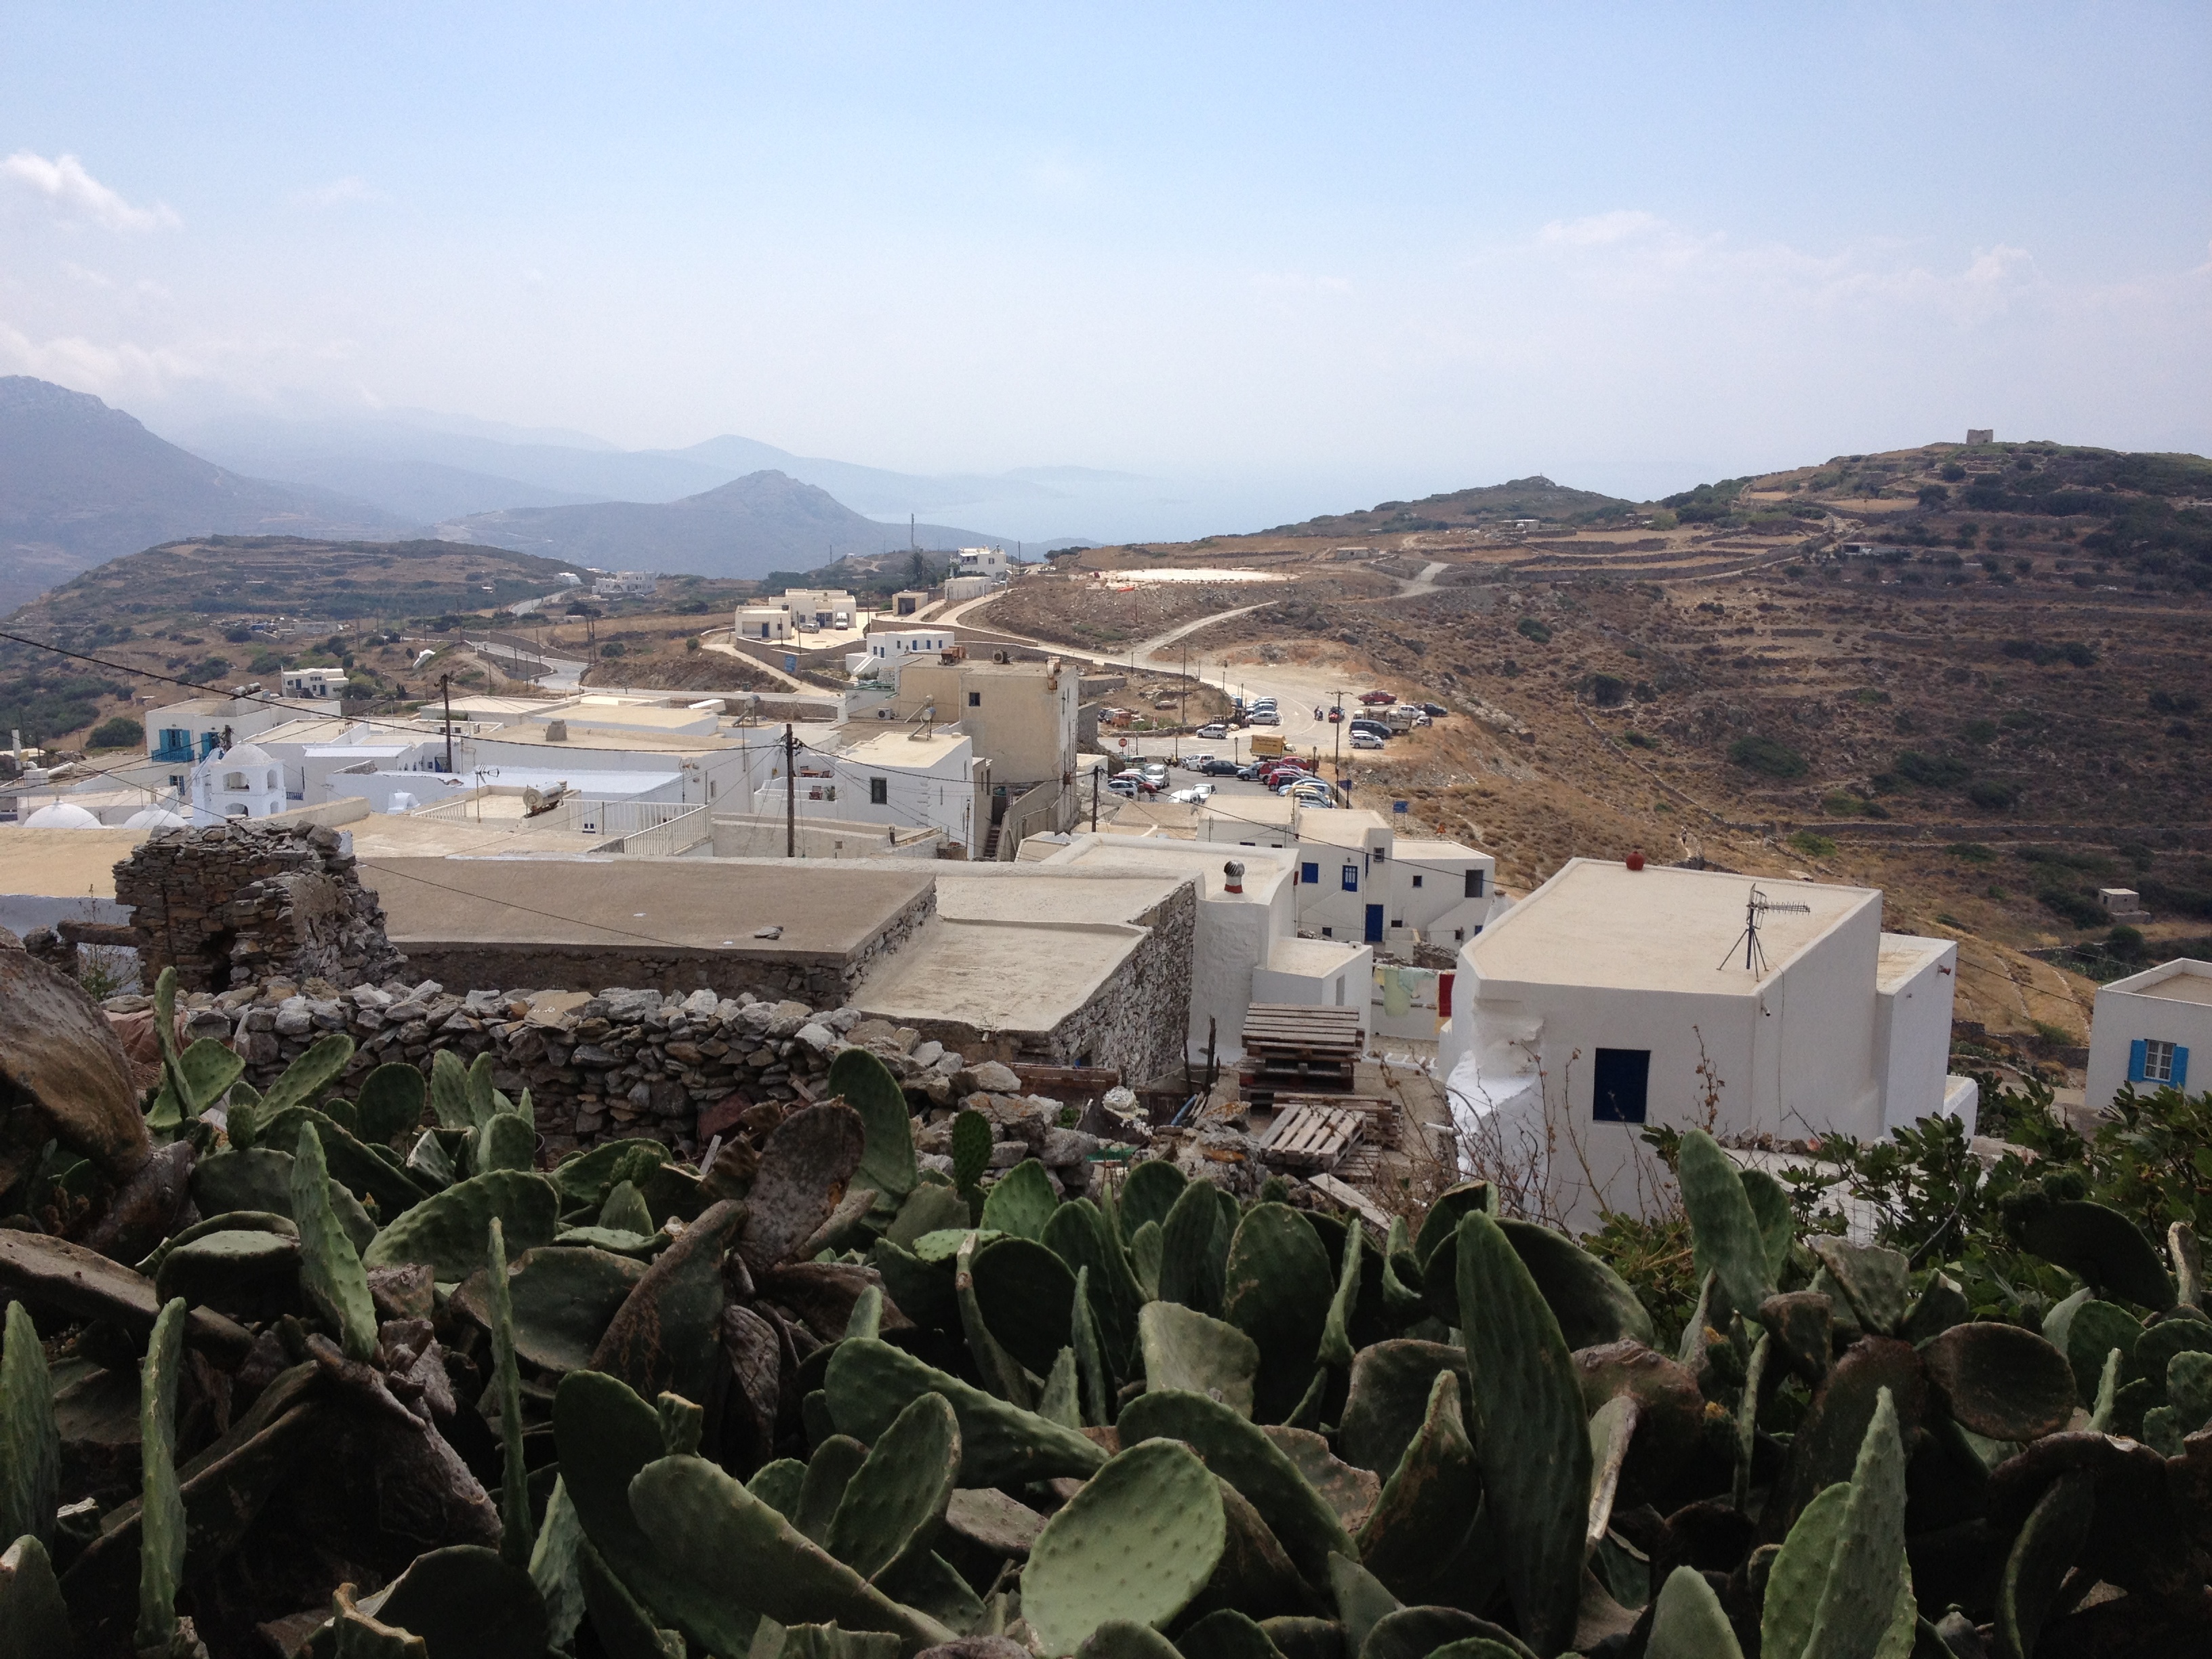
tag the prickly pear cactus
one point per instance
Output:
(30, 1448)
(516, 1534)
(330, 1272)
(1138, 1542)
(161, 1520)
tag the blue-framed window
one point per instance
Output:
(1350, 878)
(1310, 874)
(2162, 1065)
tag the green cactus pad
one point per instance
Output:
(626, 1627)
(1362, 1600)
(737, 1560)
(564, 1297)
(1151, 1192)
(446, 1231)
(604, 1434)
(871, 1382)
(1441, 1224)
(666, 1335)
(2095, 1329)
(887, 1164)
(1429, 1501)
(1724, 1229)
(1419, 1632)
(779, 1484)
(2036, 1568)
(922, 1290)
(2001, 1382)
(2157, 1347)
(1185, 1350)
(1876, 1280)
(831, 1468)
(507, 1142)
(1778, 1223)
(358, 1168)
(1826, 1447)
(1277, 1288)
(584, 1178)
(246, 1272)
(827, 1641)
(331, 1271)
(2101, 1247)
(1060, 1400)
(517, 1532)
(1336, 1343)
(33, 1618)
(1867, 1572)
(930, 1584)
(1093, 1371)
(161, 1513)
(1801, 1323)
(928, 1209)
(1193, 1248)
(2189, 1388)
(309, 1075)
(1139, 1541)
(1799, 1571)
(1687, 1622)
(1593, 1303)
(30, 1448)
(1225, 1633)
(1940, 1305)
(1079, 1234)
(464, 1599)
(1025, 1294)
(1534, 1446)
(260, 1181)
(971, 1149)
(1389, 1399)
(554, 1569)
(894, 1504)
(1021, 1201)
(1301, 1636)
(1250, 1461)
(1125, 1638)
(390, 1103)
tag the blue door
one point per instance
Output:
(1373, 924)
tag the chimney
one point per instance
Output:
(1232, 876)
(556, 731)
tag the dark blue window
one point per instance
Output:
(1310, 874)
(1623, 1076)
(1350, 878)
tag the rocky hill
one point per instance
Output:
(80, 483)
(1536, 497)
(760, 522)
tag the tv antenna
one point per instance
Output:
(1755, 911)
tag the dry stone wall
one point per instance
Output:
(233, 904)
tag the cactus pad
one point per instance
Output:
(33, 1618)
(2001, 1382)
(1688, 1623)
(390, 1103)
(666, 1332)
(1277, 1288)
(1430, 1501)
(1125, 1638)
(1389, 1399)
(1025, 1294)
(1593, 1303)
(1152, 1190)
(1021, 1201)
(870, 1383)
(1139, 1541)
(1724, 1229)
(563, 1296)
(465, 1599)
(331, 1271)
(1184, 1349)
(30, 1448)
(162, 1514)
(446, 1231)
(895, 1503)
(866, 1084)
(1193, 1249)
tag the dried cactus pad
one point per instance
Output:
(1138, 1542)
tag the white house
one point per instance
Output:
(816, 609)
(245, 783)
(1610, 998)
(181, 733)
(914, 780)
(895, 645)
(2144, 1027)
(315, 684)
(626, 584)
(763, 621)
(1359, 879)
(988, 561)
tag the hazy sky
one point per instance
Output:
(1336, 252)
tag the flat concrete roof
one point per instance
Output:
(904, 751)
(1052, 893)
(1408, 849)
(64, 863)
(402, 835)
(1340, 826)
(2185, 979)
(1904, 954)
(1602, 925)
(1310, 958)
(1097, 856)
(1268, 812)
(827, 908)
(997, 976)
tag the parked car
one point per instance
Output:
(1265, 717)
(1373, 728)
(1127, 788)
(1213, 729)
(1335, 714)
(1253, 771)
(1194, 762)
(1143, 785)
(1366, 740)
(1311, 793)
(1280, 774)
(1156, 770)
(1192, 796)
(1435, 711)
(1377, 697)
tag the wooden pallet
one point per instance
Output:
(1307, 1050)
(1384, 1119)
(1308, 1139)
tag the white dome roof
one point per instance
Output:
(61, 816)
(247, 753)
(155, 818)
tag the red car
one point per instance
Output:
(1283, 774)
(1335, 715)
(1376, 698)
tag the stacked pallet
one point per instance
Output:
(1305, 1050)
(1311, 1139)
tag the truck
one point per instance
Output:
(1264, 746)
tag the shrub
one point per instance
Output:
(2175, 702)
(2071, 905)
(1951, 472)
(238, 635)
(1636, 740)
(1770, 756)
(1529, 629)
(611, 648)
(1992, 796)
(1663, 519)
(1929, 771)
(1978, 730)
(1972, 851)
(267, 663)
(1813, 846)
(118, 732)
(692, 644)
(1605, 690)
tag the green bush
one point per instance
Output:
(1770, 756)
(1992, 796)
(1813, 846)
(1605, 690)
(611, 648)
(2071, 905)
(1980, 731)
(1972, 851)
(1930, 771)
(1529, 629)
(120, 733)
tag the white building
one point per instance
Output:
(916, 779)
(2144, 1027)
(181, 733)
(893, 645)
(828, 610)
(1359, 879)
(988, 561)
(245, 783)
(1610, 998)
(763, 621)
(626, 584)
(315, 684)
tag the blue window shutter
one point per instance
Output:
(2136, 1056)
(2180, 1066)
(1310, 874)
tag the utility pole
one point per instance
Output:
(446, 690)
(1094, 799)
(790, 794)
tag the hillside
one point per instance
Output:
(1975, 677)
(1536, 497)
(760, 522)
(80, 483)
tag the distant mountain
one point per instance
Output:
(1535, 497)
(764, 521)
(81, 483)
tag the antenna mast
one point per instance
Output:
(1755, 910)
